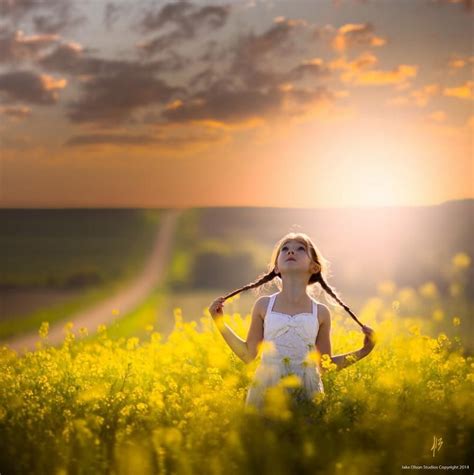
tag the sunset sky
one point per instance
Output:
(237, 103)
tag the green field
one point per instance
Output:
(73, 247)
(98, 252)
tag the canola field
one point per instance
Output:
(176, 405)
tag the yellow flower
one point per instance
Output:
(455, 289)
(44, 328)
(387, 287)
(438, 315)
(461, 260)
(429, 290)
(277, 403)
(132, 343)
(291, 381)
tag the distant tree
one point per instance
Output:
(215, 269)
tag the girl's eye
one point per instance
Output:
(285, 247)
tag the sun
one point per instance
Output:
(369, 163)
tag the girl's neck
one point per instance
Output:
(293, 293)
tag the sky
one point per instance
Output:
(321, 103)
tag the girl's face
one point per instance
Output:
(294, 256)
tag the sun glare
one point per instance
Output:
(374, 164)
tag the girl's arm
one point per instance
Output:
(245, 350)
(323, 342)
(346, 359)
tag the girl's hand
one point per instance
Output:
(370, 339)
(216, 308)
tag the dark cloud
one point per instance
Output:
(278, 38)
(186, 21)
(73, 59)
(111, 90)
(111, 14)
(16, 46)
(250, 85)
(227, 105)
(17, 9)
(246, 81)
(185, 17)
(311, 68)
(468, 5)
(114, 139)
(47, 16)
(163, 139)
(108, 100)
(253, 55)
(248, 62)
(29, 87)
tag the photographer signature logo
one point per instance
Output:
(437, 443)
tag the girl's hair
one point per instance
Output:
(319, 277)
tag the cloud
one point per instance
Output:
(16, 46)
(72, 58)
(108, 100)
(467, 4)
(252, 55)
(437, 116)
(165, 138)
(110, 139)
(310, 67)
(47, 16)
(113, 11)
(464, 91)
(422, 96)
(15, 112)
(359, 72)
(419, 97)
(244, 105)
(458, 62)
(111, 90)
(225, 105)
(251, 85)
(249, 88)
(186, 20)
(30, 87)
(349, 36)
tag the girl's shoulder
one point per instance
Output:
(262, 305)
(324, 313)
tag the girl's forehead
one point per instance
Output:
(295, 241)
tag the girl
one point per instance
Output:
(292, 321)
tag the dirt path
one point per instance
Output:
(106, 312)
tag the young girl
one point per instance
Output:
(292, 321)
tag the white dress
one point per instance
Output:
(292, 338)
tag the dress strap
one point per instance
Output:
(271, 303)
(315, 310)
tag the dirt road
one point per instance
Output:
(106, 312)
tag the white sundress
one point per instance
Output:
(292, 337)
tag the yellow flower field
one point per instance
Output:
(126, 406)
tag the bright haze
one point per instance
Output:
(238, 103)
